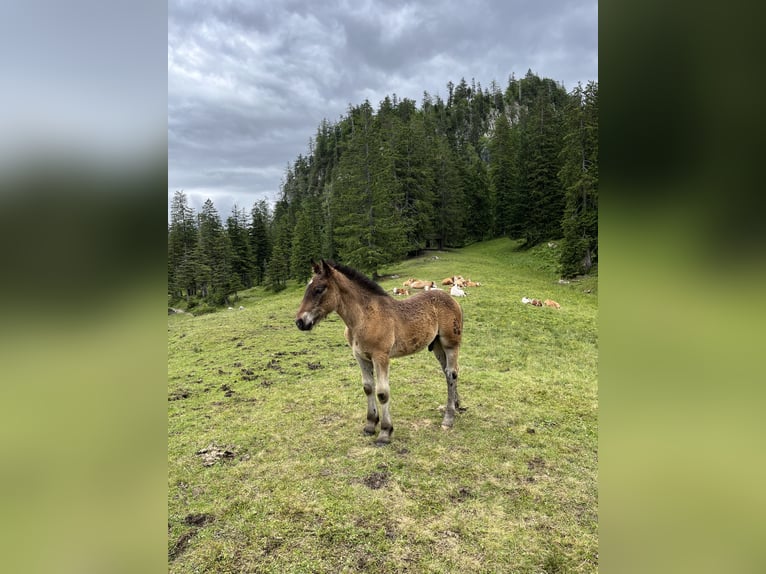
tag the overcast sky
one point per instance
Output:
(249, 82)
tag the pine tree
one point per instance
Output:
(579, 178)
(450, 201)
(241, 252)
(503, 178)
(480, 217)
(327, 243)
(416, 175)
(215, 255)
(306, 245)
(260, 240)
(404, 153)
(196, 273)
(182, 240)
(540, 196)
(279, 263)
(366, 204)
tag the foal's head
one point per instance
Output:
(320, 298)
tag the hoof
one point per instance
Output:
(369, 432)
(380, 443)
(446, 427)
(383, 438)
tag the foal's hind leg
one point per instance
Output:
(368, 380)
(448, 360)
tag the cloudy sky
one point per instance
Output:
(250, 81)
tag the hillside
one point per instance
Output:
(268, 469)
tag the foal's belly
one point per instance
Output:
(407, 344)
(386, 338)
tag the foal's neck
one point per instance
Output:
(351, 305)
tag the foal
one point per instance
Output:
(379, 327)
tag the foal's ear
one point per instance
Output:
(325, 267)
(321, 268)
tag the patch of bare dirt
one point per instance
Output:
(198, 519)
(178, 395)
(535, 466)
(462, 494)
(181, 544)
(247, 374)
(274, 364)
(214, 453)
(292, 353)
(376, 480)
(227, 390)
(195, 521)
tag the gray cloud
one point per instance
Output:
(249, 82)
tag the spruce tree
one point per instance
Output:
(306, 244)
(416, 175)
(480, 217)
(404, 152)
(279, 264)
(366, 205)
(182, 240)
(579, 179)
(215, 255)
(540, 195)
(260, 240)
(450, 202)
(503, 178)
(241, 251)
(278, 268)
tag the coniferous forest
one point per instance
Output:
(381, 184)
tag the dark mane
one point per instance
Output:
(359, 278)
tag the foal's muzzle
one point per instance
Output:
(302, 325)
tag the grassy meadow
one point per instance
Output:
(269, 470)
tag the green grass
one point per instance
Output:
(511, 488)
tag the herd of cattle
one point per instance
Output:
(456, 285)
(538, 303)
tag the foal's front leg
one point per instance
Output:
(383, 392)
(368, 381)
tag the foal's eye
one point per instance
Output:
(319, 290)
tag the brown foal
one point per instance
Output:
(379, 328)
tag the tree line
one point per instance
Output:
(381, 184)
